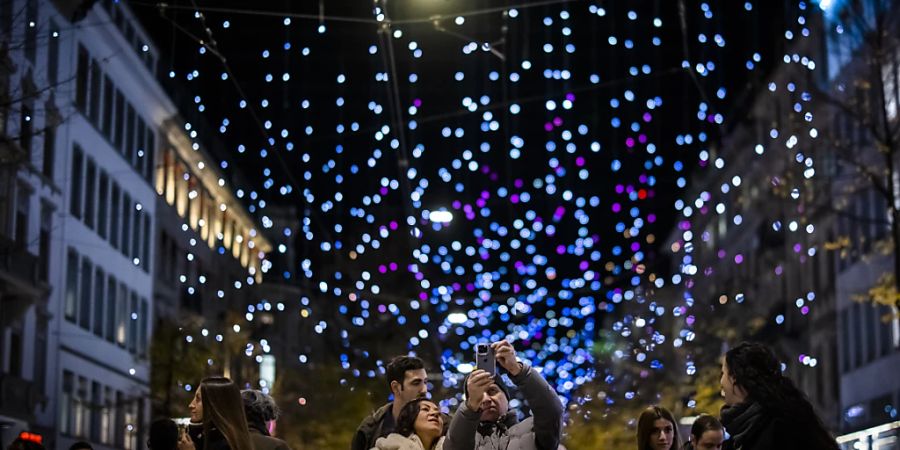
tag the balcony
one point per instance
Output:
(18, 397)
(19, 273)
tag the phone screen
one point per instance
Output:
(484, 358)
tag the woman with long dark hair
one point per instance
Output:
(763, 408)
(218, 406)
(420, 426)
(657, 429)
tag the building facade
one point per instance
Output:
(98, 178)
(784, 242)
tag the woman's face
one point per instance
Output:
(429, 422)
(196, 407)
(663, 435)
(732, 393)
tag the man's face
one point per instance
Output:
(494, 404)
(711, 440)
(415, 385)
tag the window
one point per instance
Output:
(120, 419)
(96, 393)
(109, 331)
(128, 148)
(6, 18)
(138, 160)
(143, 323)
(884, 330)
(148, 234)
(40, 353)
(133, 323)
(114, 216)
(23, 203)
(76, 180)
(15, 352)
(84, 313)
(120, 121)
(83, 425)
(857, 328)
(7, 178)
(71, 285)
(102, 201)
(66, 404)
(49, 150)
(81, 79)
(26, 128)
(121, 313)
(31, 18)
(107, 419)
(94, 93)
(127, 207)
(90, 194)
(53, 55)
(44, 244)
(99, 301)
(150, 156)
(871, 331)
(107, 123)
(136, 233)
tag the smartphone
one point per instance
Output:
(484, 358)
(182, 423)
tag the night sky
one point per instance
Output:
(559, 134)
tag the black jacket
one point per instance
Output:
(755, 428)
(213, 440)
(371, 428)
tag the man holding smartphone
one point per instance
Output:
(408, 381)
(483, 421)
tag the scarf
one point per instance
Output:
(500, 426)
(744, 421)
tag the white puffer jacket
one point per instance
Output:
(396, 441)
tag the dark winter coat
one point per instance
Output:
(541, 431)
(752, 427)
(262, 441)
(213, 439)
(371, 428)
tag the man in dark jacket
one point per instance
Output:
(483, 421)
(408, 381)
(260, 409)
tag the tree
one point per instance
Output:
(319, 411)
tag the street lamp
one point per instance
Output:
(440, 216)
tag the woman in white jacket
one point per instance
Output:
(420, 426)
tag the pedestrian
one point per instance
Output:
(420, 426)
(707, 433)
(763, 408)
(484, 421)
(261, 409)
(163, 435)
(217, 405)
(407, 380)
(657, 429)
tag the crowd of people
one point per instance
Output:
(763, 410)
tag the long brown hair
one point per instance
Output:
(223, 408)
(646, 425)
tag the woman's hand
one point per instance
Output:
(185, 442)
